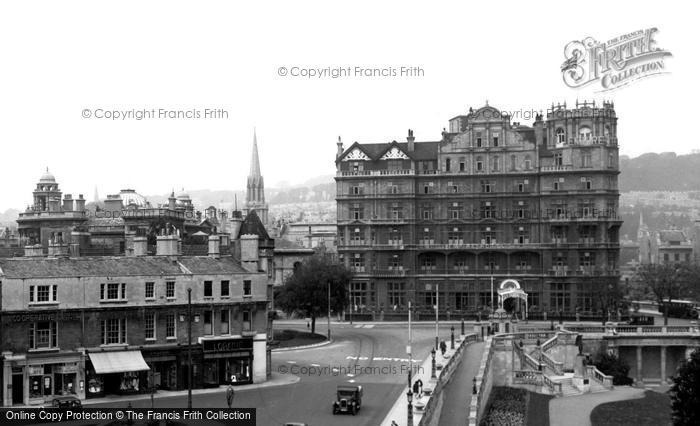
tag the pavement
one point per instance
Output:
(576, 410)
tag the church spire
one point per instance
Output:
(255, 160)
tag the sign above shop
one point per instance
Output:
(227, 345)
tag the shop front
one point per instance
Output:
(164, 368)
(227, 361)
(116, 373)
(34, 379)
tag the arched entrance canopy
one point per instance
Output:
(510, 288)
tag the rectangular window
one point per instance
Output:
(247, 290)
(170, 289)
(208, 290)
(170, 327)
(43, 293)
(225, 288)
(208, 329)
(150, 326)
(479, 166)
(396, 295)
(495, 139)
(43, 335)
(224, 321)
(247, 326)
(114, 331)
(150, 290)
(486, 186)
(478, 139)
(112, 291)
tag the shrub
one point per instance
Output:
(613, 366)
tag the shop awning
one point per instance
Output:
(118, 362)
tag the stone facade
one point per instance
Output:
(491, 198)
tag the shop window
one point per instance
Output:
(208, 328)
(247, 325)
(170, 327)
(150, 326)
(150, 290)
(43, 335)
(225, 327)
(247, 288)
(208, 291)
(170, 289)
(225, 288)
(43, 294)
(114, 331)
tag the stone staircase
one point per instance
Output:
(551, 371)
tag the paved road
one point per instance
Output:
(372, 356)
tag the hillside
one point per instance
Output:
(660, 172)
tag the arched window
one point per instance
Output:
(561, 138)
(479, 164)
(584, 133)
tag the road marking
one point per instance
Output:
(369, 326)
(291, 362)
(358, 325)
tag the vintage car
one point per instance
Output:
(348, 399)
(66, 401)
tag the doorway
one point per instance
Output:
(17, 389)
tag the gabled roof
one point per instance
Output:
(421, 150)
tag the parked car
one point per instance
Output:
(348, 399)
(66, 401)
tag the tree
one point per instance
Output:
(665, 280)
(611, 365)
(306, 289)
(685, 393)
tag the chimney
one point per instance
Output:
(58, 250)
(80, 203)
(214, 246)
(166, 245)
(340, 148)
(236, 223)
(172, 201)
(140, 247)
(68, 203)
(411, 140)
(113, 203)
(538, 125)
(35, 250)
(249, 253)
(79, 241)
(54, 204)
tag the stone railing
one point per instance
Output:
(549, 344)
(556, 366)
(598, 376)
(554, 387)
(484, 382)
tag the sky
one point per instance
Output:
(63, 60)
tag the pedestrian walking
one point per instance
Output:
(229, 396)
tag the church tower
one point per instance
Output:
(255, 190)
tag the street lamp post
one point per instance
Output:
(329, 311)
(432, 370)
(462, 326)
(189, 348)
(437, 307)
(408, 348)
(409, 397)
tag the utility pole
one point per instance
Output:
(492, 307)
(189, 348)
(408, 348)
(329, 311)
